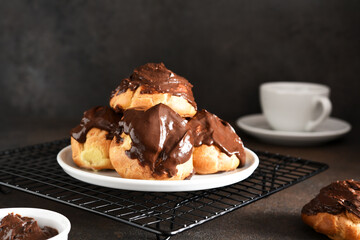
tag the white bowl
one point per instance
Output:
(44, 218)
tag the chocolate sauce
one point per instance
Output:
(103, 118)
(156, 78)
(208, 129)
(336, 198)
(15, 227)
(160, 138)
(191, 175)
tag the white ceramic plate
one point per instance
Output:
(111, 179)
(257, 126)
(44, 218)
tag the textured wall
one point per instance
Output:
(58, 58)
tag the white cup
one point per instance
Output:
(295, 106)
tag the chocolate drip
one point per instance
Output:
(156, 78)
(210, 130)
(16, 227)
(336, 198)
(160, 138)
(103, 118)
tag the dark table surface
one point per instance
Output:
(275, 217)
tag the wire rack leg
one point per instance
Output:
(161, 237)
(4, 190)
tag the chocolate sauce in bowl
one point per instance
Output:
(16, 227)
(338, 197)
(208, 129)
(156, 78)
(103, 118)
(160, 138)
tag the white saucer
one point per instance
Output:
(112, 179)
(257, 126)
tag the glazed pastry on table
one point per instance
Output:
(335, 211)
(160, 135)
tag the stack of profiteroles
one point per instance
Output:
(152, 130)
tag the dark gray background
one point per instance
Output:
(59, 58)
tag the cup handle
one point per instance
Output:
(326, 110)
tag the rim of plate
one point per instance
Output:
(214, 180)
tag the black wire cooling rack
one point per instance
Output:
(164, 214)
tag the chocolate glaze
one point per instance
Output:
(208, 129)
(336, 198)
(20, 228)
(191, 175)
(160, 138)
(156, 78)
(103, 118)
